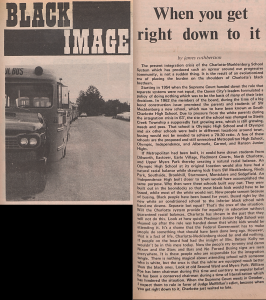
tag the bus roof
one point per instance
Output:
(29, 73)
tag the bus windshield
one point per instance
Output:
(28, 95)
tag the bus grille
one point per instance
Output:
(12, 142)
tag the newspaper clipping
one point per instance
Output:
(68, 92)
(158, 104)
(199, 149)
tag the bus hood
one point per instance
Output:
(23, 121)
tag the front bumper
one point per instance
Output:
(23, 161)
(25, 178)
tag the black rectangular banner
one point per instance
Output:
(67, 28)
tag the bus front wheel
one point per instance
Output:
(35, 179)
(64, 153)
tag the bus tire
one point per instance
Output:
(64, 153)
(41, 183)
(35, 179)
(42, 178)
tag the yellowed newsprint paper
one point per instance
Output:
(199, 149)
(67, 88)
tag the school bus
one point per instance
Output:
(37, 119)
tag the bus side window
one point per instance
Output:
(59, 96)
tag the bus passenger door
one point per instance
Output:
(65, 106)
(62, 133)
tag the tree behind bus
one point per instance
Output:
(92, 103)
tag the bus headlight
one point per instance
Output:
(33, 142)
(29, 141)
(24, 141)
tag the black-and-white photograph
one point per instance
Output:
(68, 88)
(67, 132)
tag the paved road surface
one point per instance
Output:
(96, 166)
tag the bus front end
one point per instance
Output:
(26, 150)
